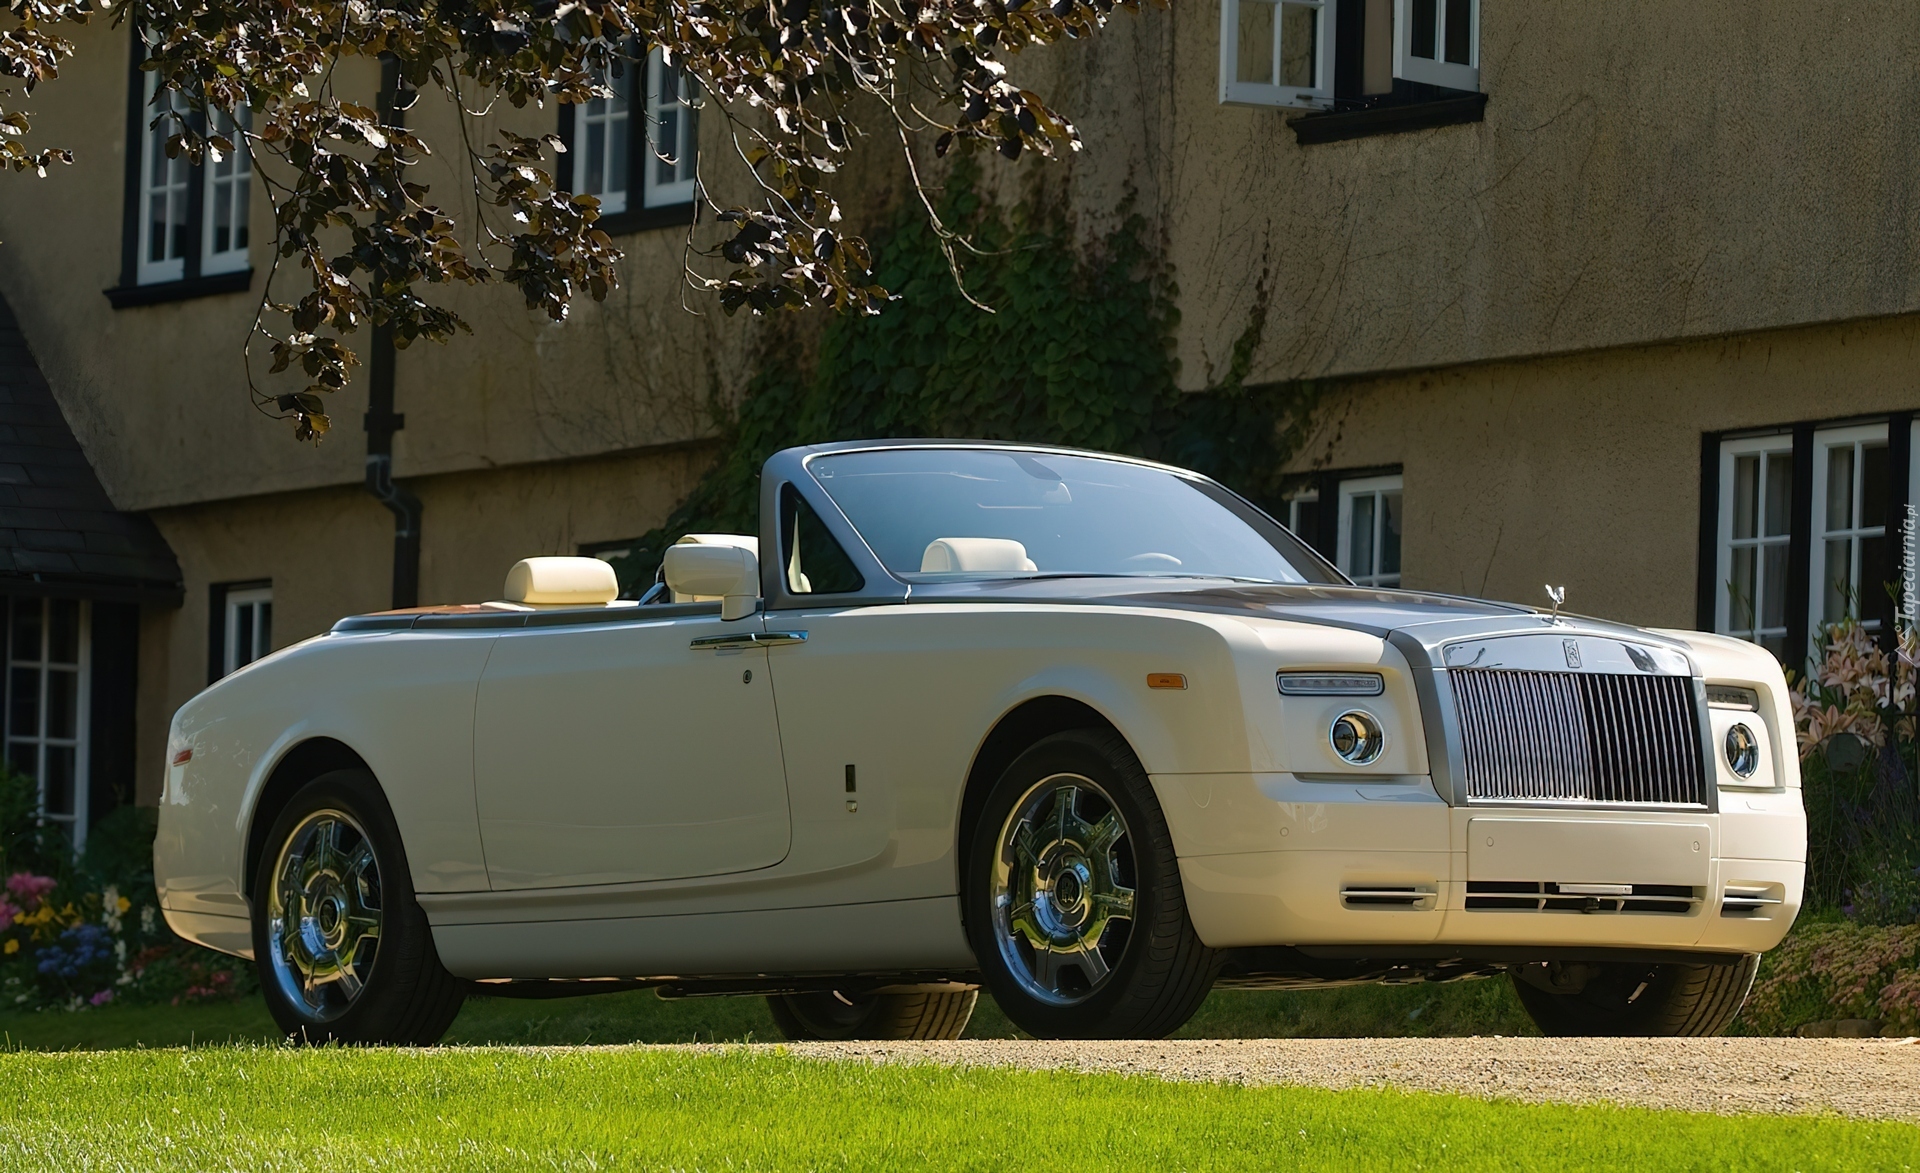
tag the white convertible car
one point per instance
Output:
(1091, 732)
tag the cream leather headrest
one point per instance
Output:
(551, 581)
(981, 554)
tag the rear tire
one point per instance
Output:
(830, 1016)
(345, 955)
(1072, 897)
(1621, 999)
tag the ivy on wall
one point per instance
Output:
(1077, 351)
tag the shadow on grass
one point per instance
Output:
(1457, 1008)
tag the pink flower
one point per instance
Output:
(7, 913)
(29, 889)
(102, 998)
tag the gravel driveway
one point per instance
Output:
(1852, 1077)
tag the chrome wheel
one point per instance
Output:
(1063, 889)
(324, 914)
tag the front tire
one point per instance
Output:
(1630, 999)
(1073, 901)
(345, 955)
(831, 1016)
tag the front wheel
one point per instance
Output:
(1073, 901)
(1622, 999)
(345, 955)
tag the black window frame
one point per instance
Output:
(1799, 596)
(1410, 105)
(130, 292)
(637, 217)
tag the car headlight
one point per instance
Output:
(1357, 737)
(1743, 751)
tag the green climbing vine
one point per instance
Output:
(1077, 351)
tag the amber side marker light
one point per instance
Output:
(183, 757)
(1166, 680)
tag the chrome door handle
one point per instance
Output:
(750, 639)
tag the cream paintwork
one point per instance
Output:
(1268, 823)
(620, 754)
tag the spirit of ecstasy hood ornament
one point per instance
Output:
(1558, 594)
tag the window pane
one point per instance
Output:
(63, 637)
(1459, 31)
(1773, 586)
(1360, 538)
(1840, 488)
(1777, 644)
(616, 177)
(1838, 589)
(1426, 16)
(1779, 514)
(24, 757)
(1390, 535)
(1873, 485)
(1306, 520)
(263, 631)
(1299, 37)
(242, 634)
(1746, 495)
(1875, 574)
(57, 786)
(1741, 597)
(596, 157)
(26, 629)
(63, 702)
(239, 203)
(23, 708)
(1254, 63)
(816, 563)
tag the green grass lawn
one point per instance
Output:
(444, 1110)
(1460, 1008)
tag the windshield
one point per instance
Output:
(934, 514)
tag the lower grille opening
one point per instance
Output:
(1751, 900)
(1549, 896)
(1401, 896)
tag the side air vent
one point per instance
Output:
(1751, 900)
(1528, 896)
(1400, 896)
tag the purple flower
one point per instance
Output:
(7, 913)
(102, 998)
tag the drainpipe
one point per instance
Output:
(382, 421)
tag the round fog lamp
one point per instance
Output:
(1356, 737)
(1743, 751)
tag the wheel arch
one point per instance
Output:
(301, 764)
(1017, 730)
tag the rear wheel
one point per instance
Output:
(833, 1016)
(1634, 998)
(1073, 900)
(345, 955)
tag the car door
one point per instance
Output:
(642, 749)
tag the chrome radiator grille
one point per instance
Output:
(1578, 736)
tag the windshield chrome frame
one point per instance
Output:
(791, 466)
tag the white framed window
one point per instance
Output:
(1755, 527)
(1369, 543)
(1276, 53)
(48, 704)
(164, 190)
(600, 136)
(1849, 568)
(223, 231)
(1438, 42)
(673, 134)
(1303, 515)
(249, 627)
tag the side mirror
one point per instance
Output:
(730, 573)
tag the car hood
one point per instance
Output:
(1430, 619)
